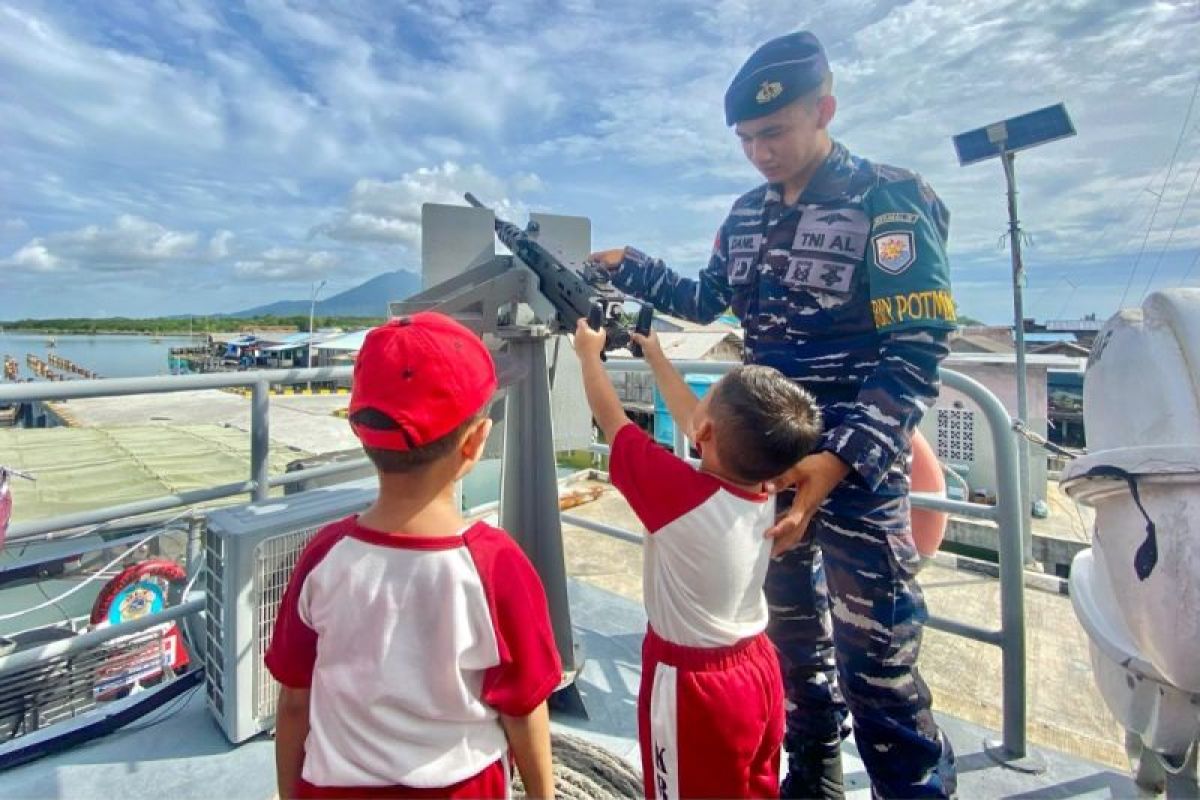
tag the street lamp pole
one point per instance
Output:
(1008, 158)
(312, 312)
(1002, 140)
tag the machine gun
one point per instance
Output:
(574, 296)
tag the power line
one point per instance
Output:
(1183, 129)
(1171, 235)
(1096, 241)
(1069, 275)
(1188, 274)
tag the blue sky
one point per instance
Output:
(185, 156)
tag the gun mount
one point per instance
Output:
(519, 304)
(556, 294)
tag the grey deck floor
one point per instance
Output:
(178, 751)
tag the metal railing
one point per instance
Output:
(259, 482)
(148, 512)
(1010, 636)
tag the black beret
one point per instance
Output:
(782, 70)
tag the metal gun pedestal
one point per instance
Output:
(498, 297)
(529, 495)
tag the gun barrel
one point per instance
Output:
(571, 295)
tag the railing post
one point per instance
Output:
(1013, 750)
(260, 439)
(681, 448)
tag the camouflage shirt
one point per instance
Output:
(847, 292)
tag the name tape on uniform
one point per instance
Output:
(933, 304)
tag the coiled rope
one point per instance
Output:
(584, 771)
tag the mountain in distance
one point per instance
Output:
(368, 299)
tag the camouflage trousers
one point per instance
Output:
(846, 615)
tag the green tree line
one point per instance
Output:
(175, 326)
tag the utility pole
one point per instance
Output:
(312, 312)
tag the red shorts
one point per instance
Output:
(492, 782)
(710, 720)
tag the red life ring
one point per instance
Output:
(163, 569)
(928, 527)
(137, 590)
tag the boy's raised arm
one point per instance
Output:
(602, 397)
(681, 400)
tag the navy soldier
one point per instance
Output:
(836, 267)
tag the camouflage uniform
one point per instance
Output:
(848, 293)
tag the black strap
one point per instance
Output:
(1146, 557)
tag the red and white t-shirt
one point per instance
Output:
(706, 555)
(411, 647)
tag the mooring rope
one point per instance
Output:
(584, 771)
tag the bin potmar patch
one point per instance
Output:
(894, 252)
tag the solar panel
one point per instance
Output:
(1017, 133)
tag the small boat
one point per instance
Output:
(51, 342)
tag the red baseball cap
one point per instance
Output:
(427, 373)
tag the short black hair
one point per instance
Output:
(406, 461)
(763, 422)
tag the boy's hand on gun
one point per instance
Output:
(589, 343)
(651, 346)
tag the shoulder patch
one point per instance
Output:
(894, 252)
(908, 271)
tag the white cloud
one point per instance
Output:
(82, 88)
(36, 257)
(390, 211)
(287, 264)
(245, 130)
(218, 245)
(131, 243)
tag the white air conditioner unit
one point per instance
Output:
(250, 552)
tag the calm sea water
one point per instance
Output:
(109, 355)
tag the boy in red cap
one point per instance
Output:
(415, 650)
(710, 706)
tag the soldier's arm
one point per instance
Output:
(700, 299)
(914, 314)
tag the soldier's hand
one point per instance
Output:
(608, 259)
(588, 343)
(651, 346)
(814, 477)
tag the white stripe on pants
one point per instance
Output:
(664, 724)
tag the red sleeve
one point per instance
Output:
(529, 668)
(659, 486)
(293, 649)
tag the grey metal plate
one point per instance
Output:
(454, 239)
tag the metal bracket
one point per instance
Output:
(475, 298)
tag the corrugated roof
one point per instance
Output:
(678, 324)
(301, 339)
(981, 341)
(686, 345)
(347, 342)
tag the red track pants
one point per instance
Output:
(710, 720)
